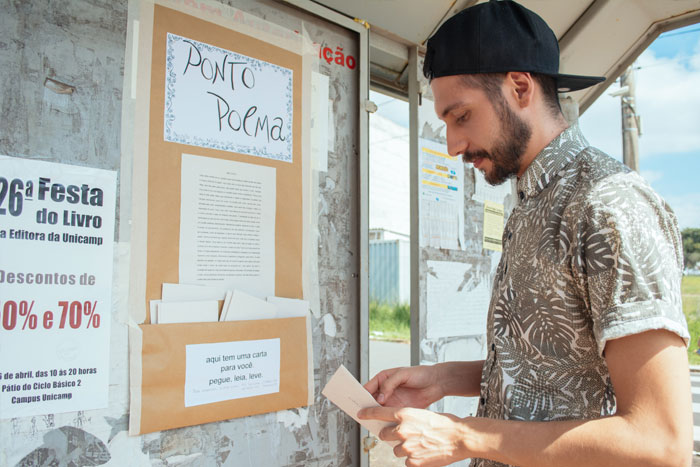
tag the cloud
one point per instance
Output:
(651, 175)
(687, 209)
(668, 101)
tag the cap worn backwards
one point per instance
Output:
(498, 37)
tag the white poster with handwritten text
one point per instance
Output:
(219, 99)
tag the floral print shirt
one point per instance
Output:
(590, 253)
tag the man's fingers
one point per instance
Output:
(372, 386)
(386, 387)
(399, 451)
(387, 414)
(375, 383)
(389, 433)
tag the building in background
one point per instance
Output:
(389, 213)
(389, 267)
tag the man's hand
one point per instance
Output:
(416, 386)
(425, 438)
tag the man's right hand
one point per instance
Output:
(417, 386)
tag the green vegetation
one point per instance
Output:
(390, 322)
(690, 290)
(691, 247)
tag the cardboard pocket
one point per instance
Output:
(158, 371)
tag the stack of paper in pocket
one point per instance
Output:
(186, 303)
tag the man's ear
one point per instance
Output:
(521, 87)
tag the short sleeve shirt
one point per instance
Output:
(590, 253)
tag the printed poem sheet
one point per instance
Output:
(227, 219)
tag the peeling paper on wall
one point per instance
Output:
(120, 286)
(182, 459)
(311, 176)
(293, 419)
(329, 327)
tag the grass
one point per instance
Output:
(690, 289)
(390, 322)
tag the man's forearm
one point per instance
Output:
(610, 441)
(460, 378)
(652, 425)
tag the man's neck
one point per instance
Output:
(543, 133)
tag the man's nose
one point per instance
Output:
(456, 143)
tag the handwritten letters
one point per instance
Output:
(220, 99)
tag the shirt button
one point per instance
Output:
(521, 194)
(510, 235)
(505, 268)
(483, 401)
(493, 346)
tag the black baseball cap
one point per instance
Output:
(498, 37)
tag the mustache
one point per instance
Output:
(469, 157)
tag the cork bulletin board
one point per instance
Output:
(158, 351)
(164, 159)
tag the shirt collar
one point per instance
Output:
(550, 161)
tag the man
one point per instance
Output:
(586, 337)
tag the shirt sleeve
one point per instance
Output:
(632, 253)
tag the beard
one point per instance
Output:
(506, 153)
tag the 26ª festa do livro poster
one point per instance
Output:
(56, 256)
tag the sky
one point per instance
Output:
(668, 100)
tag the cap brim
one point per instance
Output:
(567, 83)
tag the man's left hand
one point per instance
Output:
(425, 438)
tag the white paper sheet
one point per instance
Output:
(484, 191)
(350, 396)
(226, 305)
(245, 307)
(441, 181)
(289, 307)
(190, 292)
(188, 312)
(220, 99)
(153, 310)
(457, 303)
(227, 225)
(231, 370)
(56, 267)
(319, 121)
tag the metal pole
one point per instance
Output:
(413, 105)
(630, 123)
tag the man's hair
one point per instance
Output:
(490, 83)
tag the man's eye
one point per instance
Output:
(463, 117)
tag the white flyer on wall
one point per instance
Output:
(231, 370)
(56, 259)
(441, 185)
(227, 224)
(217, 98)
(484, 191)
(457, 300)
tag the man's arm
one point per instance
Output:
(652, 425)
(420, 386)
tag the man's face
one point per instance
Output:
(485, 131)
